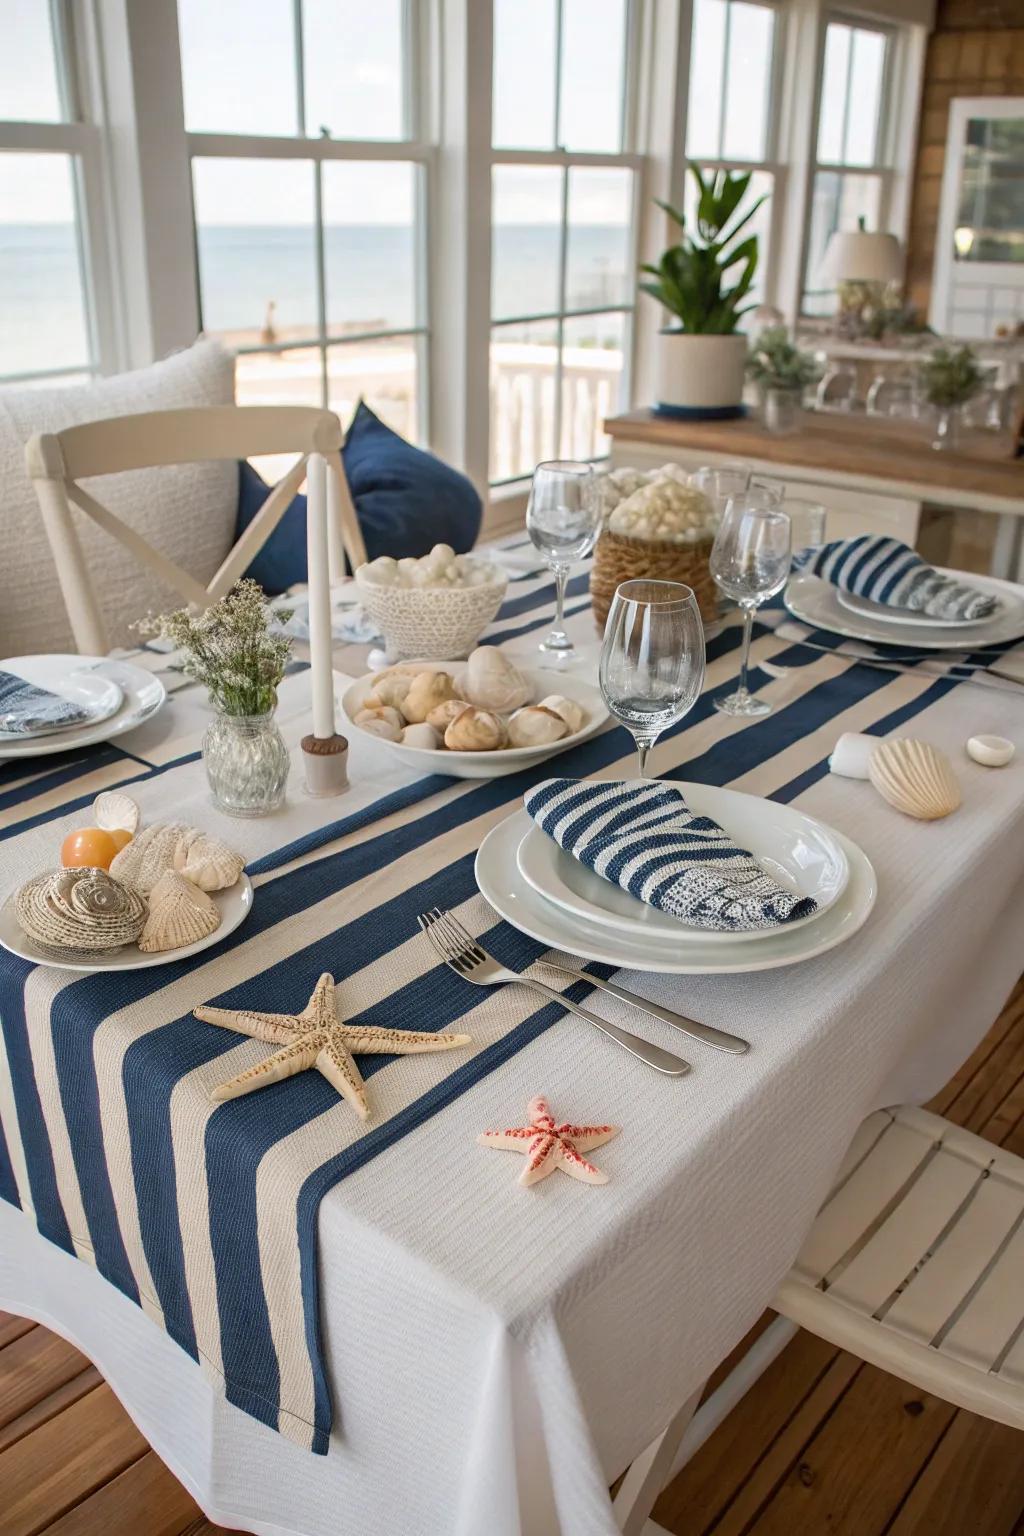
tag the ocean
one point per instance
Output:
(246, 269)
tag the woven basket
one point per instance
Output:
(618, 558)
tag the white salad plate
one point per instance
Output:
(100, 697)
(234, 904)
(865, 608)
(801, 854)
(688, 954)
(142, 694)
(817, 603)
(484, 765)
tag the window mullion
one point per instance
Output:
(559, 4)
(299, 43)
(726, 45)
(321, 277)
(563, 259)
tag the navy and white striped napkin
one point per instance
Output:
(642, 835)
(26, 710)
(887, 571)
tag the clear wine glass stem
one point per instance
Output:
(748, 629)
(642, 749)
(561, 578)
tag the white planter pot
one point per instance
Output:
(700, 375)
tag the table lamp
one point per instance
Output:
(862, 263)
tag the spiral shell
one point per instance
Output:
(116, 812)
(915, 777)
(81, 909)
(179, 914)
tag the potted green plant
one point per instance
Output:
(237, 649)
(950, 377)
(702, 282)
(783, 372)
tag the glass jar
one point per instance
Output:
(782, 410)
(947, 428)
(246, 763)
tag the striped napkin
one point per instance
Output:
(643, 836)
(26, 710)
(887, 571)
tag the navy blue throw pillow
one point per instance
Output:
(406, 501)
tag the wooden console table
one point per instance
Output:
(873, 474)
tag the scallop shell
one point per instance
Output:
(536, 726)
(179, 914)
(149, 855)
(116, 812)
(80, 909)
(206, 861)
(915, 777)
(492, 682)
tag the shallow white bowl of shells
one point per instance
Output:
(442, 614)
(583, 711)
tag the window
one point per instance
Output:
(851, 180)
(48, 329)
(562, 250)
(730, 119)
(308, 187)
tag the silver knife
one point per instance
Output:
(981, 677)
(720, 1039)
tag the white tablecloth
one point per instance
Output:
(499, 1355)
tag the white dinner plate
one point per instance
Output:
(500, 882)
(235, 905)
(485, 765)
(100, 697)
(795, 850)
(142, 695)
(816, 602)
(865, 608)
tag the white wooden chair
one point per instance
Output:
(58, 461)
(916, 1262)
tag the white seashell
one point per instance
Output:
(535, 726)
(475, 730)
(179, 914)
(915, 777)
(851, 755)
(990, 751)
(206, 861)
(149, 855)
(384, 712)
(80, 909)
(421, 735)
(389, 691)
(442, 717)
(492, 682)
(429, 689)
(116, 812)
(574, 715)
(382, 728)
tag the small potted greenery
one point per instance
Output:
(237, 649)
(782, 372)
(949, 377)
(702, 282)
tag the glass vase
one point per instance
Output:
(782, 411)
(947, 428)
(246, 763)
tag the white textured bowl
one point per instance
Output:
(431, 623)
(484, 765)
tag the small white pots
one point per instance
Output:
(700, 376)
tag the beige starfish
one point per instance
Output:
(316, 1037)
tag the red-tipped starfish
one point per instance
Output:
(549, 1146)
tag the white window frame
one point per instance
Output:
(411, 148)
(81, 137)
(627, 158)
(883, 167)
(772, 164)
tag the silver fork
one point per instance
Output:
(462, 954)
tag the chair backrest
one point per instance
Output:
(57, 461)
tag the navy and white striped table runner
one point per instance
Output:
(207, 1216)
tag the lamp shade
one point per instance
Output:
(862, 256)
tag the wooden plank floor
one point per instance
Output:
(822, 1446)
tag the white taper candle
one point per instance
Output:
(317, 553)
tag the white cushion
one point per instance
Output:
(187, 511)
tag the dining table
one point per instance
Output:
(326, 1325)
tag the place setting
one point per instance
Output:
(57, 703)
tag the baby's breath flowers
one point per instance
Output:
(235, 648)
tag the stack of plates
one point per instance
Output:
(822, 605)
(545, 893)
(115, 695)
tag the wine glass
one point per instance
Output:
(721, 482)
(562, 518)
(750, 562)
(652, 660)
